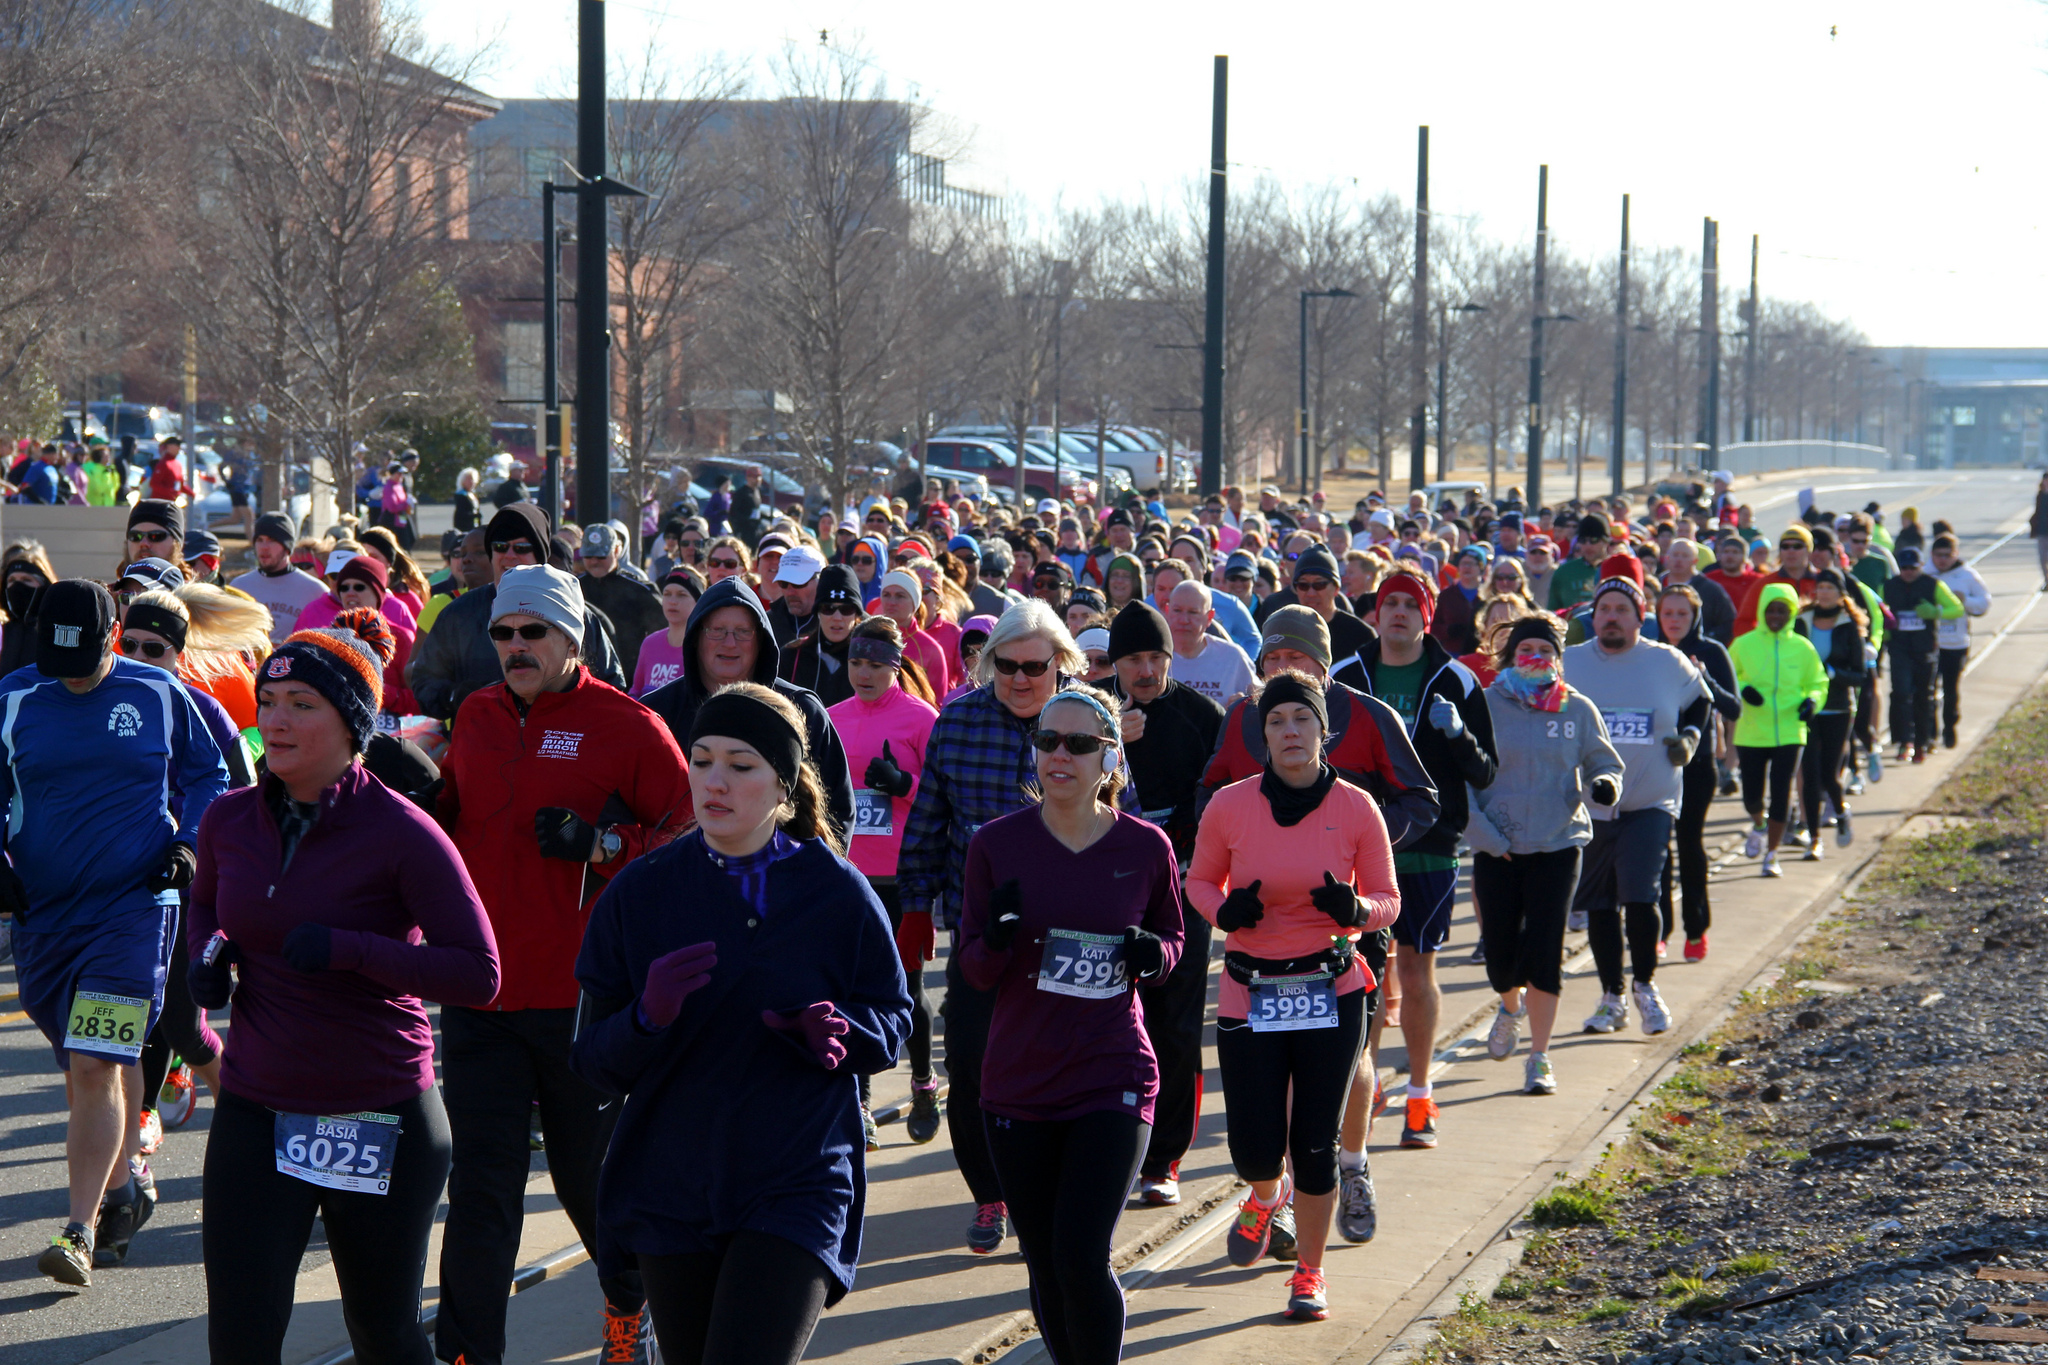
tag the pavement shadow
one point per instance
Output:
(841, 1332)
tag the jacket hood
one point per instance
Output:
(1777, 592)
(730, 592)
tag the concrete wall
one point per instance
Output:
(84, 542)
(1761, 457)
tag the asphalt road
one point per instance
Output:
(163, 1285)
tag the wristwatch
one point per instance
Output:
(609, 841)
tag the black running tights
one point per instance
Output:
(1065, 1182)
(1820, 767)
(1260, 1069)
(754, 1303)
(180, 1028)
(1604, 931)
(1768, 769)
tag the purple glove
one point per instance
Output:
(818, 1027)
(671, 979)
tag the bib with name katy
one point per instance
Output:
(1090, 966)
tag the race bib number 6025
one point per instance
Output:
(338, 1151)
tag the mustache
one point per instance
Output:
(522, 660)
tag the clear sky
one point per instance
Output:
(1889, 152)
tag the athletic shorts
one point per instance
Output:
(123, 961)
(1625, 862)
(1426, 901)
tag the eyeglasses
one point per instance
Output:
(696, 544)
(148, 649)
(730, 635)
(532, 630)
(1032, 668)
(1046, 741)
(513, 547)
(1507, 578)
(838, 609)
(1790, 545)
(862, 561)
(148, 537)
(731, 565)
(1313, 585)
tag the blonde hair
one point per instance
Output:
(229, 631)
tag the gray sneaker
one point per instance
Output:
(1575, 921)
(1650, 1005)
(1537, 1077)
(1611, 1015)
(1505, 1033)
(1282, 1247)
(1845, 833)
(1358, 1210)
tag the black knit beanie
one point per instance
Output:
(1136, 629)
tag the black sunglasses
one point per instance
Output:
(731, 564)
(858, 561)
(689, 544)
(1313, 584)
(513, 547)
(1010, 668)
(839, 609)
(149, 537)
(148, 649)
(533, 630)
(1045, 741)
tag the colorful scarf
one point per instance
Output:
(1539, 689)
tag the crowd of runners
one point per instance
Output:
(669, 846)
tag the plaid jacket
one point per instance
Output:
(975, 769)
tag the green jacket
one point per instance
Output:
(1781, 665)
(1572, 584)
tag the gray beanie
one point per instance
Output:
(544, 592)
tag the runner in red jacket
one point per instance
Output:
(554, 782)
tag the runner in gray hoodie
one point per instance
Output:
(1527, 829)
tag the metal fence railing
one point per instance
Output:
(1762, 457)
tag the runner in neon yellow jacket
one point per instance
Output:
(1781, 667)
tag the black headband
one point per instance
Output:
(1283, 689)
(158, 620)
(753, 722)
(874, 649)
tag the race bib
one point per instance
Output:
(111, 1025)
(1283, 1004)
(873, 812)
(1629, 726)
(1090, 966)
(338, 1151)
(1911, 621)
(1952, 634)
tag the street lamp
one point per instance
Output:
(1443, 384)
(1533, 475)
(1301, 414)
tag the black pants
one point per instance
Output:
(1820, 767)
(495, 1064)
(1259, 1068)
(754, 1303)
(967, 1013)
(1065, 1183)
(1173, 1021)
(1865, 729)
(180, 1028)
(1690, 834)
(255, 1222)
(919, 1046)
(1913, 667)
(1768, 770)
(1523, 902)
(1949, 666)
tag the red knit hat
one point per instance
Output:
(367, 569)
(1415, 586)
(1622, 566)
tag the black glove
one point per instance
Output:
(1242, 908)
(13, 895)
(309, 948)
(181, 864)
(211, 983)
(885, 777)
(1337, 900)
(1005, 913)
(1807, 709)
(1144, 954)
(563, 834)
(1679, 748)
(1752, 696)
(1604, 790)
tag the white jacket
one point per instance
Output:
(1967, 584)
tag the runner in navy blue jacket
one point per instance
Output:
(750, 961)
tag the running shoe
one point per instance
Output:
(68, 1257)
(1771, 868)
(1281, 1247)
(1656, 1018)
(925, 1114)
(1799, 836)
(868, 1131)
(1381, 1101)
(1307, 1301)
(1420, 1128)
(121, 1216)
(1919, 753)
(1905, 752)
(1505, 1033)
(1663, 949)
(1753, 845)
(1537, 1077)
(1854, 786)
(1252, 1233)
(1948, 736)
(628, 1339)
(991, 1224)
(1696, 949)
(1478, 952)
(1611, 1015)
(1358, 1207)
(1876, 767)
(1159, 1193)
(1813, 852)
(1575, 921)
(1729, 786)
(178, 1098)
(152, 1132)
(1845, 833)
(146, 1182)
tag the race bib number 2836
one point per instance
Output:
(111, 1025)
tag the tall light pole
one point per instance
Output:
(1212, 308)
(1059, 314)
(593, 272)
(1620, 450)
(1535, 470)
(1418, 471)
(1301, 413)
(1443, 386)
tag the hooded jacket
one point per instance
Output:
(811, 661)
(677, 702)
(1715, 667)
(1782, 665)
(1843, 663)
(1968, 586)
(1537, 801)
(1470, 760)
(904, 723)
(633, 608)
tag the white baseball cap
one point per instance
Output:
(799, 566)
(1048, 505)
